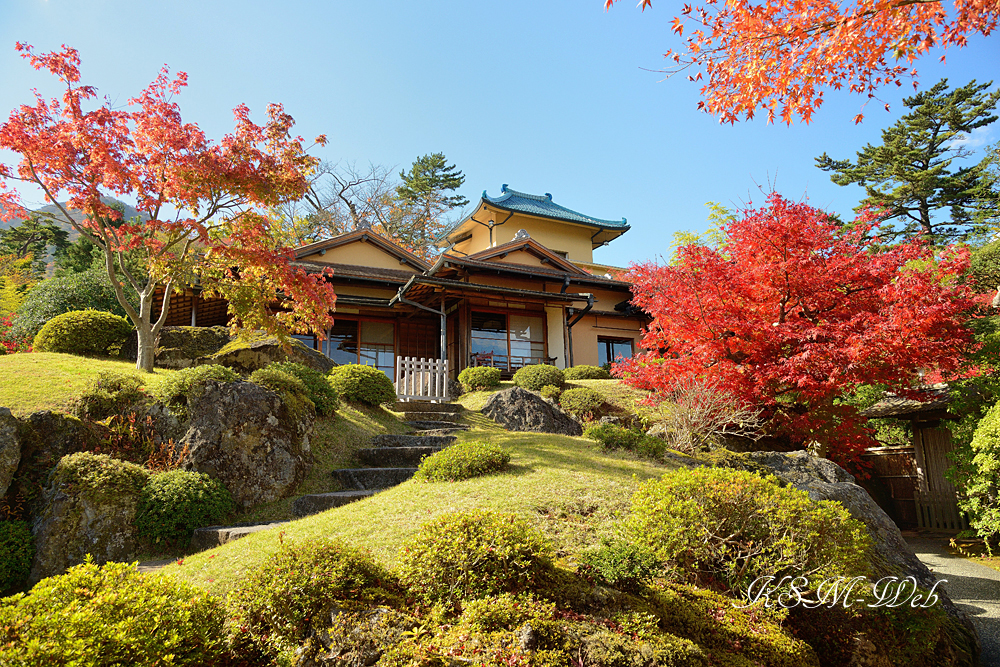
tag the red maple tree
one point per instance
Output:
(780, 55)
(792, 310)
(202, 203)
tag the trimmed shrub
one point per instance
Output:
(462, 461)
(981, 489)
(503, 612)
(173, 504)
(110, 393)
(581, 402)
(17, 548)
(536, 376)
(289, 596)
(468, 555)
(187, 384)
(551, 392)
(105, 478)
(612, 437)
(55, 296)
(277, 381)
(621, 565)
(714, 525)
(112, 615)
(318, 387)
(475, 378)
(84, 333)
(362, 384)
(584, 372)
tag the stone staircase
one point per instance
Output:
(392, 459)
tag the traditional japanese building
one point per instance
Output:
(516, 284)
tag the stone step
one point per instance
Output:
(432, 416)
(437, 432)
(413, 440)
(315, 503)
(368, 479)
(433, 425)
(214, 536)
(395, 456)
(426, 406)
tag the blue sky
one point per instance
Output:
(545, 95)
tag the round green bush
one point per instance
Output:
(174, 503)
(468, 555)
(620, 564)
(716, 525)
(551, 392)
(534, 377)
(110, 393)
(581, 402)
(277, 380)
(102, 477)
(112, 615)
(475, 378)
(462, 461)
(187, 384)
(17, 548)
(55, 296)
(83, 332)
(362, 384)
(289, 596)
(584, 372)
(318, 387)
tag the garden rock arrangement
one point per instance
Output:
(823, 479)
(10, 449)
(246, 436)
(183, 347)
(518, 409)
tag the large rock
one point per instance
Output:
(89, 508)
(182, 347)
(254, 349)
(59, 434)
(246, 436)
(823, 479)
(518, 409)
(10, 449)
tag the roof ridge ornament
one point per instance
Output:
(521, 235)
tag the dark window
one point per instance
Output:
(613, 349)
(507, 341)
(364, 342)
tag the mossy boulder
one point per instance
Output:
(10, 449)
(181, 347)
(90, 507)
(253, 350)
(249, 438)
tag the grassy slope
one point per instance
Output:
(46, 381)
(564, 485)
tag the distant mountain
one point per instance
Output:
(76, 214)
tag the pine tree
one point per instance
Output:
(910, 174)
(424, 192)
(34, 238)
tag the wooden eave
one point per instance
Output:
(364, 236)
(532, 247)
(455, 264)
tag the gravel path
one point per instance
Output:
(973, 587)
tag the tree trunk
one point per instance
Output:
(146, 348)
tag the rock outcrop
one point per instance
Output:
(823, 479)
(246, 436)
(10, 449)
(518, 409)
(89, 508)
(254, 349)
(182, 347)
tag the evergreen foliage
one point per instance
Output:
(536, 376)
(462, 461)
(425, 189)
(174, 503)
(363, 384)
(84, 333)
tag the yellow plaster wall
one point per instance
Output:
(554, 324)
(360, 253)
(587, 330)
(554, 235)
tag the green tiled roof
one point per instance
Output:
(542, 205)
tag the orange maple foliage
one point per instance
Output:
(780, 55)
(203, 203)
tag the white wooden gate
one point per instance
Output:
(421, 379)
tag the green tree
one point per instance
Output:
(424, 192)
(36, 238)
(910, 173)
(82, 255)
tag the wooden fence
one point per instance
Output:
(421, 379)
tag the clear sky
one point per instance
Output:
(546, 95)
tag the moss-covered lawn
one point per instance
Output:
(564, 485)
(35, 381)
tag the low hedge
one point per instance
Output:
(362, 384)
(475, 378)
(462, 461)
(84, 333)
(174, 503)
(536, 376)
(584, 372)
(581, 402)
(317, 386)
(112, 615)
